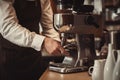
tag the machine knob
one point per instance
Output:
(90, 20)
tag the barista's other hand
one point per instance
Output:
(53, 47)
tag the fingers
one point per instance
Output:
(63, 52)
(53, 47)
(60, 51)
(56, 53)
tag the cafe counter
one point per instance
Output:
(50, 75)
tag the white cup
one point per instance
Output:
(97, 70)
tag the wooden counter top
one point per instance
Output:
(50, 75)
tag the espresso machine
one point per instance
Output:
(78, 25)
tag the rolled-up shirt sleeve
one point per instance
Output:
(11, 30)
(47, 20)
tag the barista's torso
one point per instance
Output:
(28, 13)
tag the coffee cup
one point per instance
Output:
(97, 70)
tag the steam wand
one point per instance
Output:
(79, 50)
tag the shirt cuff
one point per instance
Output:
(37, 42)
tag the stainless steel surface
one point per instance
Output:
(68, 69)
(63, 20)
(112, 14)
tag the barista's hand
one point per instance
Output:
(53, 47)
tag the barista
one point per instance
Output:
(21, 41)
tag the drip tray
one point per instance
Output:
(66, 68)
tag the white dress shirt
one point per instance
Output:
(11, 30)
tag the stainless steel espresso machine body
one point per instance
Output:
(82, 23)
(77, 26)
